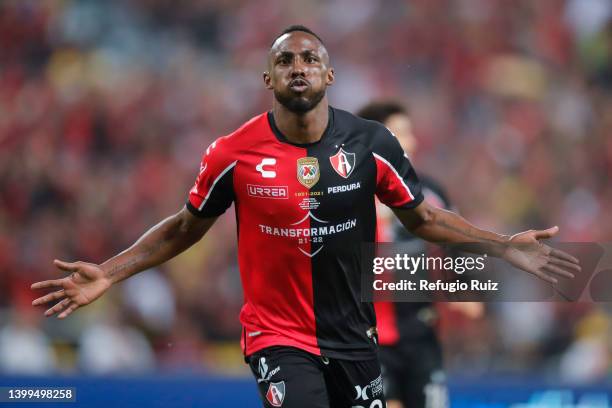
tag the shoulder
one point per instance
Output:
(374, 135)
(247, 133)
(346, 120)
(254, 125)
(250, 130)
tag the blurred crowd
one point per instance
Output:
(107, 106)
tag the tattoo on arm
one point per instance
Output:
(492, 242)
(121, 269)
(117, 269)
(463, 231)
(162, 242)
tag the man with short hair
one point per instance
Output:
(303, 177)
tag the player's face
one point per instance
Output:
(299, 71)
(401, 126)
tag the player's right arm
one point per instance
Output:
(162, 242)
(211, 195)
(88, 281)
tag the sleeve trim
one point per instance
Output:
(193, 210)
(379, 157)
(412, 203)
(219, 177)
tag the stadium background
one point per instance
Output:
(106, 107)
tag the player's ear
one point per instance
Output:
(330, 77)
(267, 80)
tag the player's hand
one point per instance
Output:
(527, 252)
(86, 283)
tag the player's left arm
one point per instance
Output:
(523, 250)
(398, 186)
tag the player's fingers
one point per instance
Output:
(47, 284)
(48, 298)
(57, 308)
(564, 255)
(556, 270)
(73, 306)
(565, 264)
(546, 277)
(547, 233)
(66, 266)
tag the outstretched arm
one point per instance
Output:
(88, 281)
(162, 242)
(438, 225)
(523, 250)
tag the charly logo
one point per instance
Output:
(268, 162)
(343, 162)
(308, 171)
(276, 394)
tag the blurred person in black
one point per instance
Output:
(410, 351)
(303, 176)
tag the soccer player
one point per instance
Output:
(410, 352)
(303, 177)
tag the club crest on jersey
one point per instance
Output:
(343, 162)
(276, 394)
(308, 171)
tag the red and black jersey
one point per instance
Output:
(303, 212)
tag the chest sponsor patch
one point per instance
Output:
(308, 171)
(275, 192)
(344, 188)
(343, 162)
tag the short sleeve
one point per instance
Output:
(213, 191)
(397, 184)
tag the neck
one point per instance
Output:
(302, 128)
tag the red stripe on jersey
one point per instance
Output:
(390, 187)
(386, 322)
(275, 270)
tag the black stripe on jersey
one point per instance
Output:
(342, 320)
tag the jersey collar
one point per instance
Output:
(281, 138)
